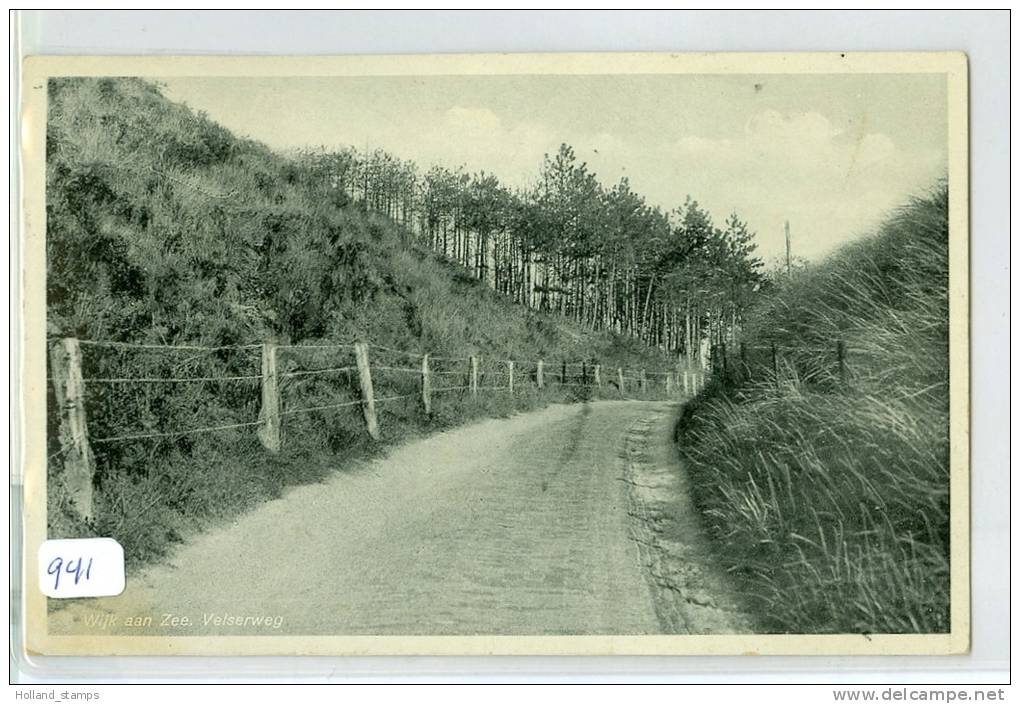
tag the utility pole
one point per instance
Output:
(789, 269)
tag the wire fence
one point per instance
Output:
(776, 365)
(266, 384)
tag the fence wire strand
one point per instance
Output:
(396, 369)
(312, 372)
(384, 399)
(326, 407)
(491, 369)
(170, 380)
(404, 353)
(191, 431)
(146, 346)
(333, 346)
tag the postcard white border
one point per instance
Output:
(37, 69)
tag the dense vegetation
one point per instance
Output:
(825, 489)
(600, 256)
(163, 228)
(827, 493)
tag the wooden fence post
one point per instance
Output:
(745, 368)
(563, 373)
(644, 382)
(540, 374)
(775, 364)
(584, 373)
(598, 376)
(669, 383)
(269, 415)
(367, 395)
(473, 383)
(619, 376)
(69, 389)
(725, 365)
(426, 385)
(841, 360)
(510, 376)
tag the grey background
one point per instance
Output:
(983, 35)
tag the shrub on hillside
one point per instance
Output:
(164, 229)
(827, 498)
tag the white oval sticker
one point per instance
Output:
(81, 567)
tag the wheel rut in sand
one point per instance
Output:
(691, 594)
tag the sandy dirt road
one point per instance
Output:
(509, 526)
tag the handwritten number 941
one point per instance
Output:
(76, 567)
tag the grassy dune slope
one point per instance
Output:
(828, 500)
(164, 228)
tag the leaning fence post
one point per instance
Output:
(510, 376)
(367, 395)
(473, 382)
(598, 376)
(775, 364)
(269, 415)
(426, 385)
(540, 374)
(69, 389)
(841, 360)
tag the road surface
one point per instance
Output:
(543, 523)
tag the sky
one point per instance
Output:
(833, 154)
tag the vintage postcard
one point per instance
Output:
(508, 354)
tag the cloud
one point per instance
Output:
(472, 120)
(832, 158)
(478, 139)
(874, 149)
(831, 184)
(772, 126)
(800, 143)
(692, 144)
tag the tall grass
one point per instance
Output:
(162, 227)
(828, 499)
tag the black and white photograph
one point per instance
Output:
(568, 354)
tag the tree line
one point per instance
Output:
(603, 257)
